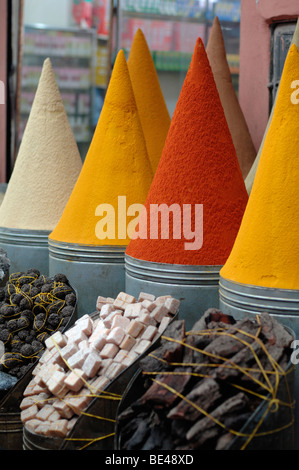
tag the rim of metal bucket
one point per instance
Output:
(23, 236)
(258, 297)
(86, 253)
(178, 273)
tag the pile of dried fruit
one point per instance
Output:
(32, 308)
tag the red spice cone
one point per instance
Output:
(198, 165)
(234, 115)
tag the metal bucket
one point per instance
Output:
(25, 249)
(92, 270)
(11, 428)
(195, 286)
(96, 426)
(4, 267)
(240, 300)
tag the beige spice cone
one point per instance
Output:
(47, 165)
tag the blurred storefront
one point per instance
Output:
(82, 38)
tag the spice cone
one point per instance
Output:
(251, 175)
(47, 166)
(151, 105)
(198, 165)
(116, 164)
(266, 250)
(234, 116)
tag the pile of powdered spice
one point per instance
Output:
(198, 165)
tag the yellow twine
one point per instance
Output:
(277, 372)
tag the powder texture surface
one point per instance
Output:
(266, 250)
(198, 165)
(116, 164)
(47, 165)
(150, 101)
(234, 115)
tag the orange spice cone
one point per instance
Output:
(266, 250)
(251, 175)
(116, 164)
(198, 165)
(150, 101)
(47, 166)
(234, 115)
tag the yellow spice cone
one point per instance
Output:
(47, 166)
(234, 116)
(251, 175)
(266, 250)
(151, 105)
(116, 165)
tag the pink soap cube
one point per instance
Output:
(69, 350)
(144, 296)
(56, 383)
(121, 321)
(129, 299)
(43, 428)
(172, 305)
(149, 333)
(29, 413)
(56, 340)
(146, 319)
(162, 299)
(76, 360)
(142, 346)
(92, 364)
(135, 328)
(63, 409)
(121, 356)
(133, 310)
(32, 424)
(98, 343)
(164, 323)
(45, 412)
(85, 323)
(58, 428)
(127, 343)
(106, 310)
(159, 312)
(105, 364)
(114, 370)
(99, 384)
(116, 335)
(74, 380)
(109, 351)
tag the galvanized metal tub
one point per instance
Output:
(195, 286)
(26, 248)
(240, 300)
(4, 267)
(95, 428)
(92, 270)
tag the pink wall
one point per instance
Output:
(3, 71)
(256, 16)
